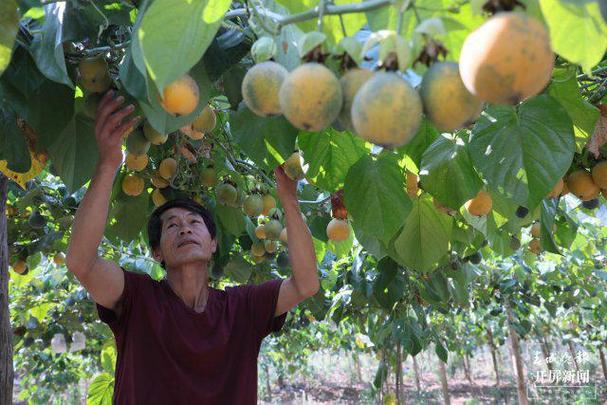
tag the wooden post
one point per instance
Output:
(416, 374)
(603, 363)
(494, 357)
(6, 332)
(443, 382)
(517, 362)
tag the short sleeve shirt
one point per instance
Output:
(170, 354)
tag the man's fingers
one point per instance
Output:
(105, 110)
(116, 117)
(125, 128)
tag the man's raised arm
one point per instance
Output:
(103, 279)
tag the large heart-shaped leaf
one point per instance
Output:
(9, 22)
(375, 196)
(523, 151)
(13, 147)
(128, 215)
(330, 154)
(101, 390)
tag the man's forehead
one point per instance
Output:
(176, 212)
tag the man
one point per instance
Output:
(180, 341)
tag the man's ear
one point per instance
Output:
(157, 254)
(213, 245)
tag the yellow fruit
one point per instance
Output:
(557, 189)
(94, 74)
(260, 88)
(534, 246)
(226, 194)
(599, 174)
(580, 183)
(20, 267)
(479, 205)
(137, 143)
(258, 259)
(283, 236)
(258, 249)
(157, 198)
(260, 232)
(59, 258)
(208, 177)
(136, 162)
(270, 246)
(268, 203)
(132, 185)
(158, 181)
(167, 168)
(535, 229)
(507, 59)
(181, 96)
(386, 110)
(206, 121)
(310, 97)
(273, 229)
(155, 137)
(412, 187)
(293, 168)
(338, 230)
(447, 102)
(253, 205)
(351, 82)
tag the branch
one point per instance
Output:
(333, 10)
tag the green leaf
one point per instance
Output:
(267, 141)
(128, 215)
(330, 154)
(565, 89)
(9, 23)
(424, 239)
(522, 152)
(547, 243)
(101, 390)
(107, 358)
(47, 47)
(174, 34)
(426, 134)
(132, 79)
(388, 288)
(23, 73)
(231, 218)
(13, 147)
(440, 351)
(577, 31)
(375, 196)
(447, 173)
(74, 153)
(238, 269)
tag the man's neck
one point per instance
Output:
(191, 283)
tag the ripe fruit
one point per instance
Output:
(158, 181)
(338, 229)
(283, 235)
(94, 74)
(20, 267)
(599, 174)
(350, 83)
(167, 168)
(447, 102)
(310, 97)
(386, 110)
(535, 229)
(226, 194)
(412, 187)
(181, 96)
(273, 229)
(132, 185)
(157, 198)
(36, 220)
(534, 246)
(580, 183)
(258, 259)
(208, 177)
(260, 232)
(258, 249)
(292, 167)
(479, 205)
(270, 246)
(154, 136)
(206, 120)
(59, 258)
(260, 88)
(268, 203)
(507, 59)
(136, 162)
(253, 205)
(557, 189)
(137, 143)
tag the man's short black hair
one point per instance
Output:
(155, 223)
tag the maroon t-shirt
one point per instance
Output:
(170, 354)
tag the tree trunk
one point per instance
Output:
(573, 357)
(517, 362)
(467, 368)
(546, 352)
(6, 333)
(603, 363)
(399, 374)
(443, 382)
(494, 357)
(268, 387)
(358, 368)
(416, 374)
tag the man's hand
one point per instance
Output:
(110, 129)
(285, 187)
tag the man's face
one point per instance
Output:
(184, 239)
